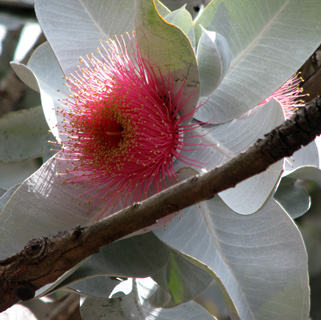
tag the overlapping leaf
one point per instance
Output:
(169, 52)
(292, 197)
(260, 259)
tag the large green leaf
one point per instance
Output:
(182, 19)
(22, 135)
(269, 40)
(169, 52)
(260, 259)
(74, 27)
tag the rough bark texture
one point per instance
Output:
(43, 260)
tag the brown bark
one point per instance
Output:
(43, 260)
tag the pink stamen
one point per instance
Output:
(289, 96)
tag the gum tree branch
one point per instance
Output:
(43, 260)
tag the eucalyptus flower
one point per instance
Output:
(175, 98)
(122, 128)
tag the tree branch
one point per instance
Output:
(43, 260)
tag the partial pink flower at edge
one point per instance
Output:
(289, 96)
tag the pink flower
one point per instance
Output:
(122, 129)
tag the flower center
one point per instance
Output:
(101, 129)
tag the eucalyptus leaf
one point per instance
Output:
(224, 142)
(213, 301)
(248, 196)
(168, 51)
(98, 286)
(182, 19)
(306, 156)
(181, 278)
(304, 163)
(25, 75)
(292, 197)
(22, 135)
(306, 173)
(269, 41)
(311, 230)
(44, 74)
(255, 263)
(213, 58)
(187, 311)
(76, 32)
(161, 8)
